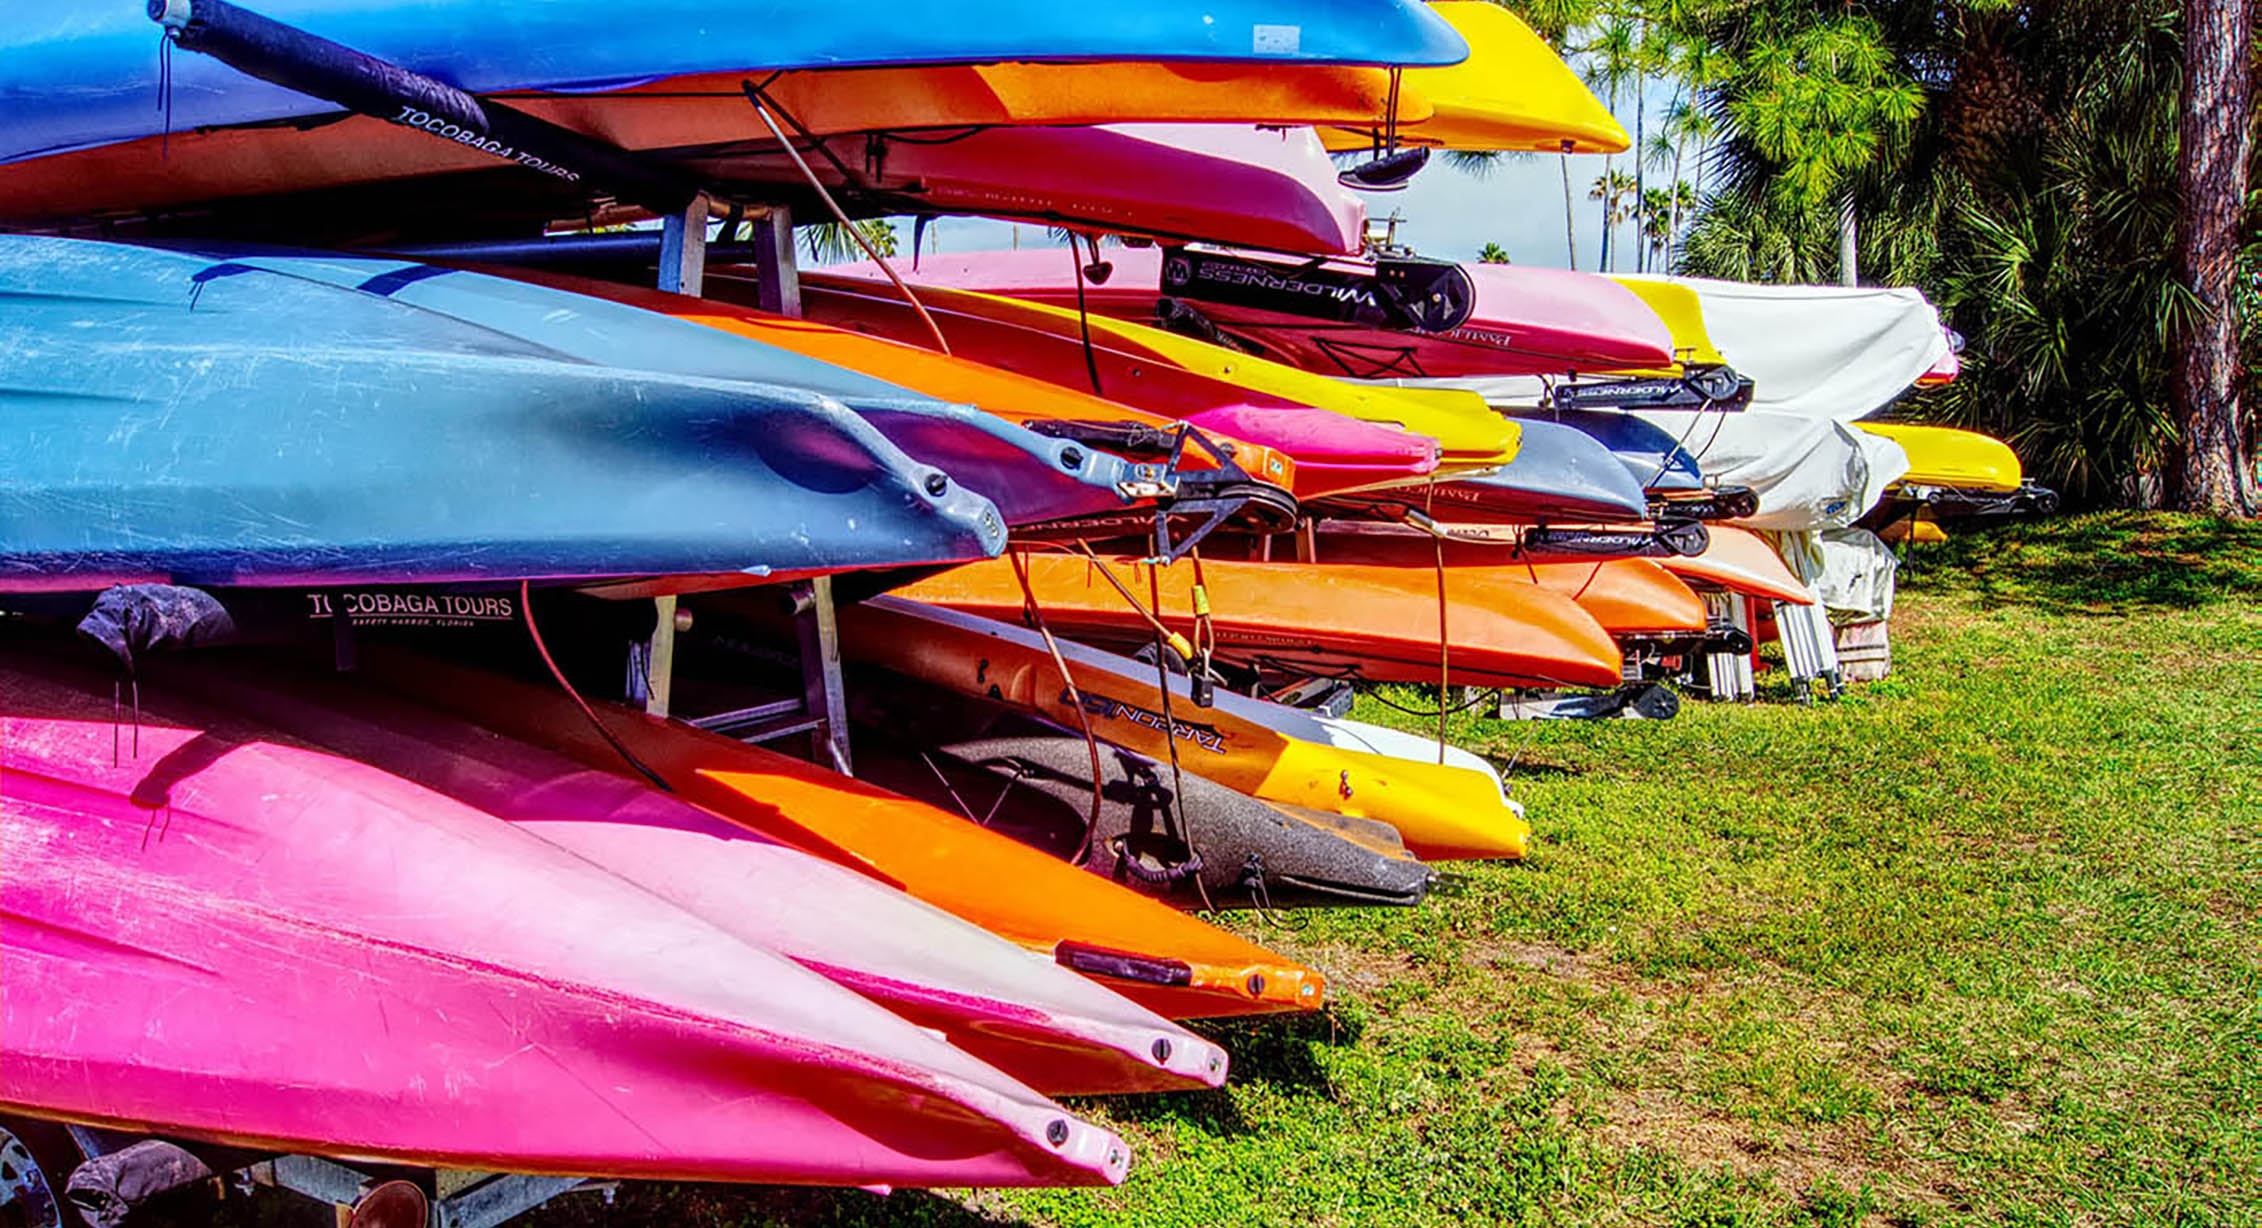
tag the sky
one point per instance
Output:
(1445, 212)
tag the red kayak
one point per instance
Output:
(1333, 453)
(1524, 320)
(1629, 597)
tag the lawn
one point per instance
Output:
(1978, 944)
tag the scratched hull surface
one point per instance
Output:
(223, 935)
(1026, 474)
(167, 417)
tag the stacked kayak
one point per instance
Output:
(438, 512)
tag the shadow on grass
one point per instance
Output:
(679, 1205)
(1281, 1054)
(2105, 562)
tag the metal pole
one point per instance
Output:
(683, 270)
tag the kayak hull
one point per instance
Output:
(218, 934)
(1175, 836)
(1442, 811)
(1525, 320)
(218, 425)
(1005, 887)
(1298, 619)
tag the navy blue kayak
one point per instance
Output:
(76, 73)
(1032, 478)
(1559, 474)
(1649, 452)
(168, 418)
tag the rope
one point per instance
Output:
(753, 96)
(1036, 618)
(1170, 740)
(526, 608)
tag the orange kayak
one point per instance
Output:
(1629, 597)
(1302, 619)
(1172, 963)
(1007, 394)
(1741, 561)
(1059, 359)
(687, 112)
(1443, 811)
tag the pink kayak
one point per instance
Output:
(1524, 321)
(212, 932)
(1270, 188)
(1034, 1019)
(1333, 452)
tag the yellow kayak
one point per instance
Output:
(1683, 314)
(1512, 93)
(1470, 434)
(1443, 811)
(1945, 456)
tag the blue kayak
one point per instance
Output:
(168, 418)
(76, 73)
(1649, 452)
(1032, 478)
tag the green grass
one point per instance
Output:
(1976, 945)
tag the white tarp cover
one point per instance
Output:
(1836, 352)
(1819, 357)
(1850, 570)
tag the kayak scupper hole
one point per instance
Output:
(1162, 1049)
(1056, 1132)
(1256, 984)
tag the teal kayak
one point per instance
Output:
(168, 417)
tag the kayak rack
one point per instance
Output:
(113, 1175)
(822, 710)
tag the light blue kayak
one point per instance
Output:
(76, 73)
(1032, 478)
(168, 418)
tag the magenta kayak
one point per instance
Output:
(1333, 452)
(1525, 321)
(1341, 450)
(1225, 183)
(1037, 1021)
(214, 933)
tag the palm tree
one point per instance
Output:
(830, 242)
(1610, 62)
(1493, 253)
(1615, 190)
(1654, 220)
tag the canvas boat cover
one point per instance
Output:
(1821, 357)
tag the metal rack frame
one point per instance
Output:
(821, 711)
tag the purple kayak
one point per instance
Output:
(213, 932)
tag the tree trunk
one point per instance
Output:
(1849, 244)
(1641, 156)
(1570, 230)
(2217, 134)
